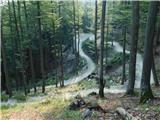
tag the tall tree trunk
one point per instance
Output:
(78, 35)
(55, 49)
(101, 82)
(13, 45)
(133, 50)
(21, 39)
(61, 53)
(107, 38)
(146, 92)
(61, 63)
(95, 32)
(16, 45)
(74, 20)
(124, 56)
(30, 49)
(41, 47)
(5, 66)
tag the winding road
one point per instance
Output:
(91, 67)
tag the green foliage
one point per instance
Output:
(89, 48)
(87, 18)
(117, 59)
(4, 96)
(55, 26)
(20, 96)
(120, 13)
(81, 65)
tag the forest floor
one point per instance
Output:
(56, 101)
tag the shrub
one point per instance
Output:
(4, 107)
(117, 59)
(20, 96)
(4, 96)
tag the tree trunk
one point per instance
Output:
(16, 46)
(13, 45)
(158, 34)
(41, 47)
(156, 83)
(21, 39)
(101, 82)
(78, 36)
(146, 92)
(61, 54)
(124, 57)
(30, 49)
(107, 39)
(74, 20)
(4, 59)
(95, 32)
(55, 49)
(133, 50)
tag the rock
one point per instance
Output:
(92, 76)
(86, 113)
(78, 97)
(147, 109)
(77, 104)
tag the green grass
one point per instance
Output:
(70, 115)
(5, 107)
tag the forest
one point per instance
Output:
(80, 60)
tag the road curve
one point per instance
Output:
(89, 68)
